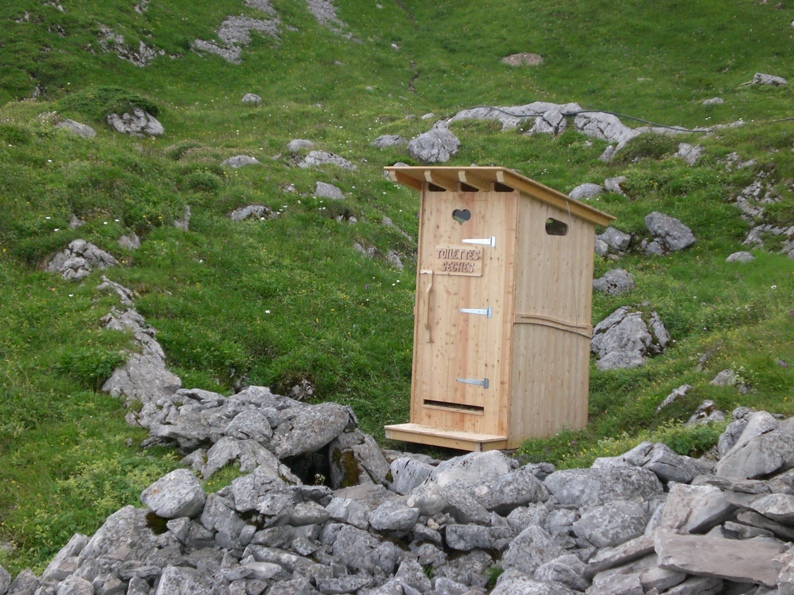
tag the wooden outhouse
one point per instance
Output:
(502, 316)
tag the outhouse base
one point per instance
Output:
(420, 434)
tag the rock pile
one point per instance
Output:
(648, 521)
(138, 123)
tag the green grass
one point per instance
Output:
(274, 302)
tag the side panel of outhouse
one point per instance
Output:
(552, 330)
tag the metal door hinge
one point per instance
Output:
(475, 381)
(487, 312)
(482, 241)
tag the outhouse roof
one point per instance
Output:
(456, 179)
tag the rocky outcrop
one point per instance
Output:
(321, 158)
(138, 123)
(77, 128)
(627, 337)
(614, 282)
(239, 161)
(79, 259)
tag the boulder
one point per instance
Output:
(612, 523)
(742, 256)
(745, 561)
(79, 259)
(472, 469)
(310, 428)
(407, 473)
(389, 140)
(321, 158)
(586, 191)
(138, 123)
(713, 101)
(617, 240)
(77, 128)
(615, 185)
(551, 122)
(580, 487)
(668, 232)
(355, 458)
(614, 282)
(627, 337)
(177, 494)
(299, 144)
(325, 190)
(239, 161)
(769, 79)
(437, 145)
(256, 212)
(252, 99)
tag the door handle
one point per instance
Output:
(428, 295)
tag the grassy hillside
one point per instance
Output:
(274, 302)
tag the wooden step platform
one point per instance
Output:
(420, 434)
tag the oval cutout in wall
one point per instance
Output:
(555, 227)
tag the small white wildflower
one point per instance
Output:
(267, 311)
(47, 218)
(71, 295)
(774, 287)
(56, 229)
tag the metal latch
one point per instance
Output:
(487, 312)
(482, 241)
(475, 381)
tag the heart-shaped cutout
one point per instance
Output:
(461, 216)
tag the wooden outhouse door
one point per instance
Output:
(463, 311)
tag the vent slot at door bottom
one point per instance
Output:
(456, 407)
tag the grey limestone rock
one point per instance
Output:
(669, 232)
(612, 523)
(470, 537)
(25, 583)
(355, 456)
(138, 123)
(239, 161)
(325, 190)
(393, 515)
(513, 582)
(505, 493)
(742, 256)
(586, 191)
(321, 158)
(689, 153)
(617, 240)
(567, 569)
(299, 144)
(614, 282)
(77, 128)
(677, 394)
(605, 127)
(625, 339)
(764, 447)
(309, 429)
(749, 560)
(250, 424)
(389, 140)
(177, 494)
(181, 581)
(255, 212)
(5, 580)
(75, 585)
(64, 562)
(615, 185)
(252, 99)
(512, 117)
(694, 509)
(532, 548)
(235, 33)
(551, 122)
(659, 458)
(713, 101)
(437, 145)
(124, 536)
(580, 487)
(407, 473)
(769, 79)
(472, 468)
(79, 259)
(130, 241)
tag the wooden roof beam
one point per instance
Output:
(405, 180)
(444, 181)
(475, 181)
